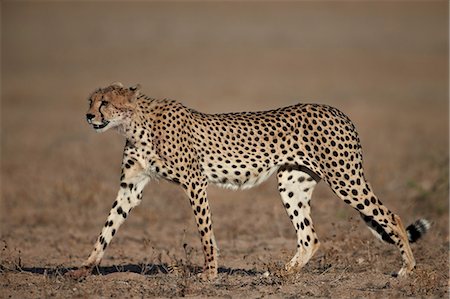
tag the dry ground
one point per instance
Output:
(384, 64)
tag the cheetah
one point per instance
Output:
(303, 144)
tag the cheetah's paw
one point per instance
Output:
(208, 275)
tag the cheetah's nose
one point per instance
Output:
(89, 117)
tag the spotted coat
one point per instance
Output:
(303, 144)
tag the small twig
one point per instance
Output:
(340, 276)
(326, 270)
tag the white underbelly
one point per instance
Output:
(234, 182)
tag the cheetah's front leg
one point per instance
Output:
(196, 192)
(132, 183)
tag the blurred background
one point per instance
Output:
(385, 64)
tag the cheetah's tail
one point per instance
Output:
(416, 230)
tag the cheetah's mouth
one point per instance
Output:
(101, 126)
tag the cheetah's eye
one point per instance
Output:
(103, 103)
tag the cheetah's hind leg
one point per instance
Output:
(296, 185)
(386, 225)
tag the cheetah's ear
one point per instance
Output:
(117, 84)
(135, 90)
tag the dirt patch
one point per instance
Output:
(384, 64)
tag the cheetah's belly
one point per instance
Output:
(235, 182)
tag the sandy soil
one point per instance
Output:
(384, 64)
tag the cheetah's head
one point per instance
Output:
(111, 106)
